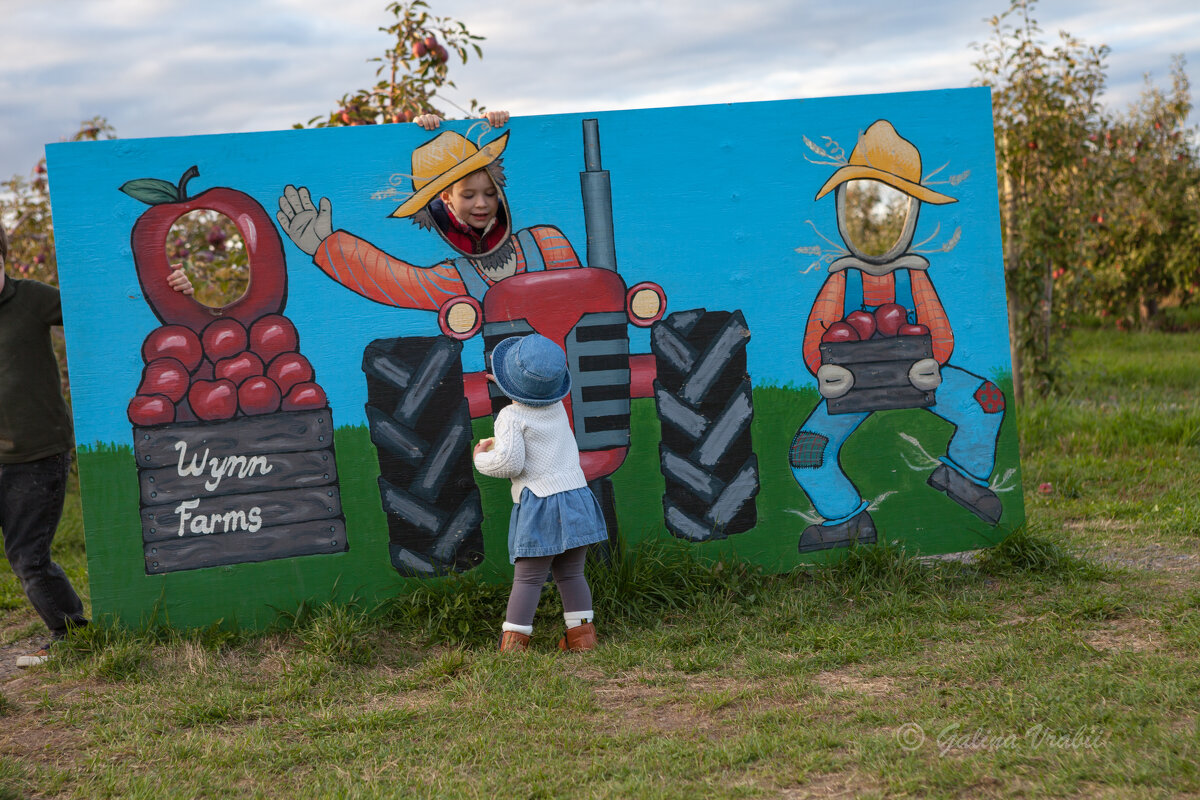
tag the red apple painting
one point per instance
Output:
(168, 202)
(233, 435)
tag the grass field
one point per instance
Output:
(1062, 663)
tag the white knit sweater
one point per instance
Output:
(536, 448)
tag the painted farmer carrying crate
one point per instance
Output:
(876, 359)
(232, 435)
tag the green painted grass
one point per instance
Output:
(889, 458)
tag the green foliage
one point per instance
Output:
(656, 576)
(412, 71)
(885, 568)
(1045, 101)
(460, 608)
(1026, 551)
(108, 653)
(1099, 211)
(343, 633)
(1146, 227)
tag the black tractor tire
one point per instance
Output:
(602, 488)
(705, 403)
(421, 428)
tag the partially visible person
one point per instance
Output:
(36, 438)
(469, 212)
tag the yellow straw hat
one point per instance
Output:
(443, 160)
(882, 154)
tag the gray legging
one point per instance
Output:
(529, 575)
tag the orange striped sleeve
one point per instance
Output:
(931, 314)
(556, 249)
(879, 289)
(827, 309)
(363, 268)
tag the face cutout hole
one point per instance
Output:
(874, 217)
(211, 251)
(475, 218)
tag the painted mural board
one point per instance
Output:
(786, 324)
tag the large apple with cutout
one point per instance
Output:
(267, 292)
(211, 363)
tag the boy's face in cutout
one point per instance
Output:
(475, 199)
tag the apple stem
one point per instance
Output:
(192, 172)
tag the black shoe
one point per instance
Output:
(859, 529)
(979, 500)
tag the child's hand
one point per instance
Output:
(178, 280)
(484, 445)
(496, 118)
(428, 121)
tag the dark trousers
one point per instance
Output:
(31, 504)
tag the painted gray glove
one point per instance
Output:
(925, 374)
(834, 381)
(305, 224)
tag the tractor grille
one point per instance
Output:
(598, 357)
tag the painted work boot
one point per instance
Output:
(979, 500)
(580, 638)
(859, 529)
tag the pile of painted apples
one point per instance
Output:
(890, 319)
(224, 372)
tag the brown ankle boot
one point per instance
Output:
(581, 637)
(514, 642)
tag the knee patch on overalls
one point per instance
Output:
(990, 398)
(808, 450)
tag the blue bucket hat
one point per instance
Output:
(531, 370)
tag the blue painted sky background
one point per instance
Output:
(710, 202)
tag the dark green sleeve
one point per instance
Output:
(48, 302)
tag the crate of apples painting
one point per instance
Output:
(875, 361)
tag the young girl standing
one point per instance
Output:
(555, 516)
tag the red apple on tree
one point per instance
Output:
(889, 317)
(258, 395)
(166, 376)
(223, 338)
(213, 400)
(173, 341)
(289, 369)
(168, 202)
(863, 322)
(840, 332)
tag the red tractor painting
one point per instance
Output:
(420, 403)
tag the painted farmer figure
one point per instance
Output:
(458, 190)
(866, 281)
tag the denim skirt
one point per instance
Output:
(547, 526)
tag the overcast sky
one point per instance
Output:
(178, 67)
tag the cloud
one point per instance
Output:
(161, 69)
